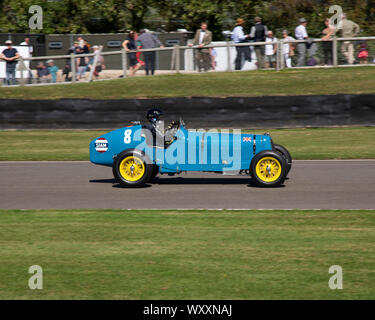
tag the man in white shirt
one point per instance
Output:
(238, 36)
(287, 49)
(270, 50)
(301, 34)
(27, 42)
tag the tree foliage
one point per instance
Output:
(103, 16)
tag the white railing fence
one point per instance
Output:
(179, 51)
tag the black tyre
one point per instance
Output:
(131, 168)
(285, 153)
(155, 171)
(268, 169)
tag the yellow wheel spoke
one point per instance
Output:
(268, 169)
(132, 168)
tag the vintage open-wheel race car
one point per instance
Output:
(139, 152)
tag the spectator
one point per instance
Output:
(301, 34)
(10, 56)
(258, 34)
(349, 29)
(27, 42)
(203, 37)
(238, 36)
(271, 50)
(68, 68)
(149, 41)
(81, 64)
(86, 46)
(42, 73)
(81, 42)
(288, 49)
(363, 52)
(328, 34)
(130, 45)
(99, 63)
(52, 69)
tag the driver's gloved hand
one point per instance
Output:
(172, 124)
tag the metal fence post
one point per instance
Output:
(334, 52)
(177, 57)
(73, 66)
(229, 66)
(124, 62)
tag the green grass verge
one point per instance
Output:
(218, 84)
(319, 143)
(114, 254)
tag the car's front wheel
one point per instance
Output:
(268, 169)
(286, 154)
(131, 168)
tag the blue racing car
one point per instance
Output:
(139, 152)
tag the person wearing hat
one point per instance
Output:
(301, 34)
(258, 33)
(53, 69)
(238, 36)
(10, 56)
(203, 37)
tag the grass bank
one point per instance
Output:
(113, 254)
(319, 143)
(217, 84)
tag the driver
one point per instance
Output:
(153, 116)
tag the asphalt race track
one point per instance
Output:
(312, 185)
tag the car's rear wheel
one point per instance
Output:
(131, 168)
(285, 153)
(268, 169)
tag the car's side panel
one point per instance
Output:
(191, 150)
(104, 149)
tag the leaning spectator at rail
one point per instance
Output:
(10, 56)
(348, 29)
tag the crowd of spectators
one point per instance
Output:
(48, 72)
(297, 54)
(306, 51)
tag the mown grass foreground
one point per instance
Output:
(113, 254)
(322, 143)
(215, 84)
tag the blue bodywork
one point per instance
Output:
(191, 150)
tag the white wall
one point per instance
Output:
(221, 58)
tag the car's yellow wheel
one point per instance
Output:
(268, 168)
(132, 168)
